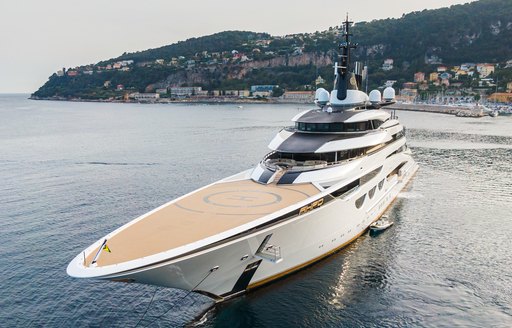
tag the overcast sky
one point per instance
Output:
(38, 37)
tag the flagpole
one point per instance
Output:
(99, 251)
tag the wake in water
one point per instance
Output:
(200, 321)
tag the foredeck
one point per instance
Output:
(207, 212)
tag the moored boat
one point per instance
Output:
(381, 224)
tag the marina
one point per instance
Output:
(465, 110)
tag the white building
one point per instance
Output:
(181, 92)
(485, 69)
(388, 64)
(244, 93)
(145, 97)
(263, 94)
(299, 96)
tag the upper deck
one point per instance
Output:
(199, 215)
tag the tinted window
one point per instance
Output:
(372, 192)
(381, 184)
(360, 201)
(343, 190)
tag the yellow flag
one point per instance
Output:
(105, 248)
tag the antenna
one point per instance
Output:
(343, 71)
(366, 76)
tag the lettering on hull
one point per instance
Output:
(312, 206)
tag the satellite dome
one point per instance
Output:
(354, 98)
(321, 97)
(389, 94)
(375, 96)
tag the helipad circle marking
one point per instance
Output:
(245, 198)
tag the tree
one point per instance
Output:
(277, 92)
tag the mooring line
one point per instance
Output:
(147, 308)
(182, 298)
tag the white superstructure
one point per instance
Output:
(325, 181)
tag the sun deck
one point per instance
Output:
(207, 212)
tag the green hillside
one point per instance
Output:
(478, 32)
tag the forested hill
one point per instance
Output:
(224, 41)
(478, 32)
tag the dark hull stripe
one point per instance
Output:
(244, 279)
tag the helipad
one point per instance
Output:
(204, 213)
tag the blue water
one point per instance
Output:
(72, 172)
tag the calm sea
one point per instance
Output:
(72, 172)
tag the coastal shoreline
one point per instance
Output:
(425, 108)
(220, 100)
(471, 110)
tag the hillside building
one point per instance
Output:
(145, 97)
(409, 85)
(502, 97)
(419, 77)
(263, 88)
(244, 93)
(299, 96)
(263, 94)
(509, 87)
(467, 66)
(319, 80)
(433, 77)
(231, 93)
(181, 92)
(485, 70)
(408, 94)
(388, 64)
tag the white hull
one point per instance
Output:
(303, 239)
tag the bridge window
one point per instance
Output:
(338, 126)
(319, 127)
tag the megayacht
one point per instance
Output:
(325, 181)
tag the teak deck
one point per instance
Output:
(204, 213)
